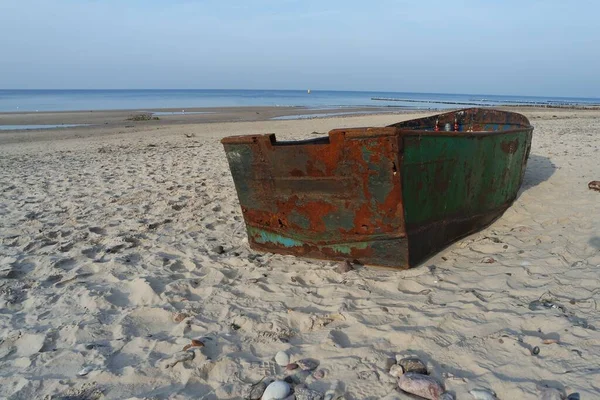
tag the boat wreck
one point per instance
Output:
(387, 196)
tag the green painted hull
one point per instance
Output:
(388, 196)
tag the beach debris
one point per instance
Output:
(307, 364)
(535, 351)
(282, 358)
(85, 371)
(483, 394)
(257, 390)
(594, 185)
(196, 342)
(488, 260)
(291, 366)
(319, 374)
(303, 393)
(180, 356)
(277, 390)
(551, 394)
(413, 364)
(396, 371)
(447, 396)
(421, 385)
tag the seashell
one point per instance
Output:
(396, 371)
(198, 342)
(307, 364)
(594, 185)
(291, 366)
(483, 394)
(178, 317)
(550, 341)
(307, 394)
(447, 396)
(85, 371)
(282, 358)
(413, 364)
(551, 394)
(424, 386)
(320, 374)
(257, 390)
(277, 390)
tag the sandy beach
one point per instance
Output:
(122, 241)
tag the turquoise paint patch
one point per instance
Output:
(270, 237)
(346, 248)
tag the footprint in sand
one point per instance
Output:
(97, 230)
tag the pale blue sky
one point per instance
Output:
(487, 46)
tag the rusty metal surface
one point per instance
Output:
(385, 196)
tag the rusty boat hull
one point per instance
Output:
(388, 196)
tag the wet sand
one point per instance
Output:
(110, 262)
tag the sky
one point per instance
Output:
(526, 47)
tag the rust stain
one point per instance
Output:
(510, 147)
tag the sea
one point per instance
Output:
(86, 100)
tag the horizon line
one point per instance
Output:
(292, 90)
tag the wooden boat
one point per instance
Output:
(388, 196)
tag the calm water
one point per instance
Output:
(30, 127)
(63, 100)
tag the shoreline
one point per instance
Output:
(110, 122)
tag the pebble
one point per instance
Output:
(219, 249)
(389, 362)
(421, 385)
(413, 364)
(257, 390)
(334, 391)
(307, 364)
(447, 396)
(594, 185)
(276, 391)
(535, 351)
(307, 394)
(396, 371)
(282, 358)
(573, 396)
(85, 371)
(483, 394)
(298, 377)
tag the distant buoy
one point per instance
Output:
(308, 91)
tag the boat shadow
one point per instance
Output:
(539, 169)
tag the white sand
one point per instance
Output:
(106, 242)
